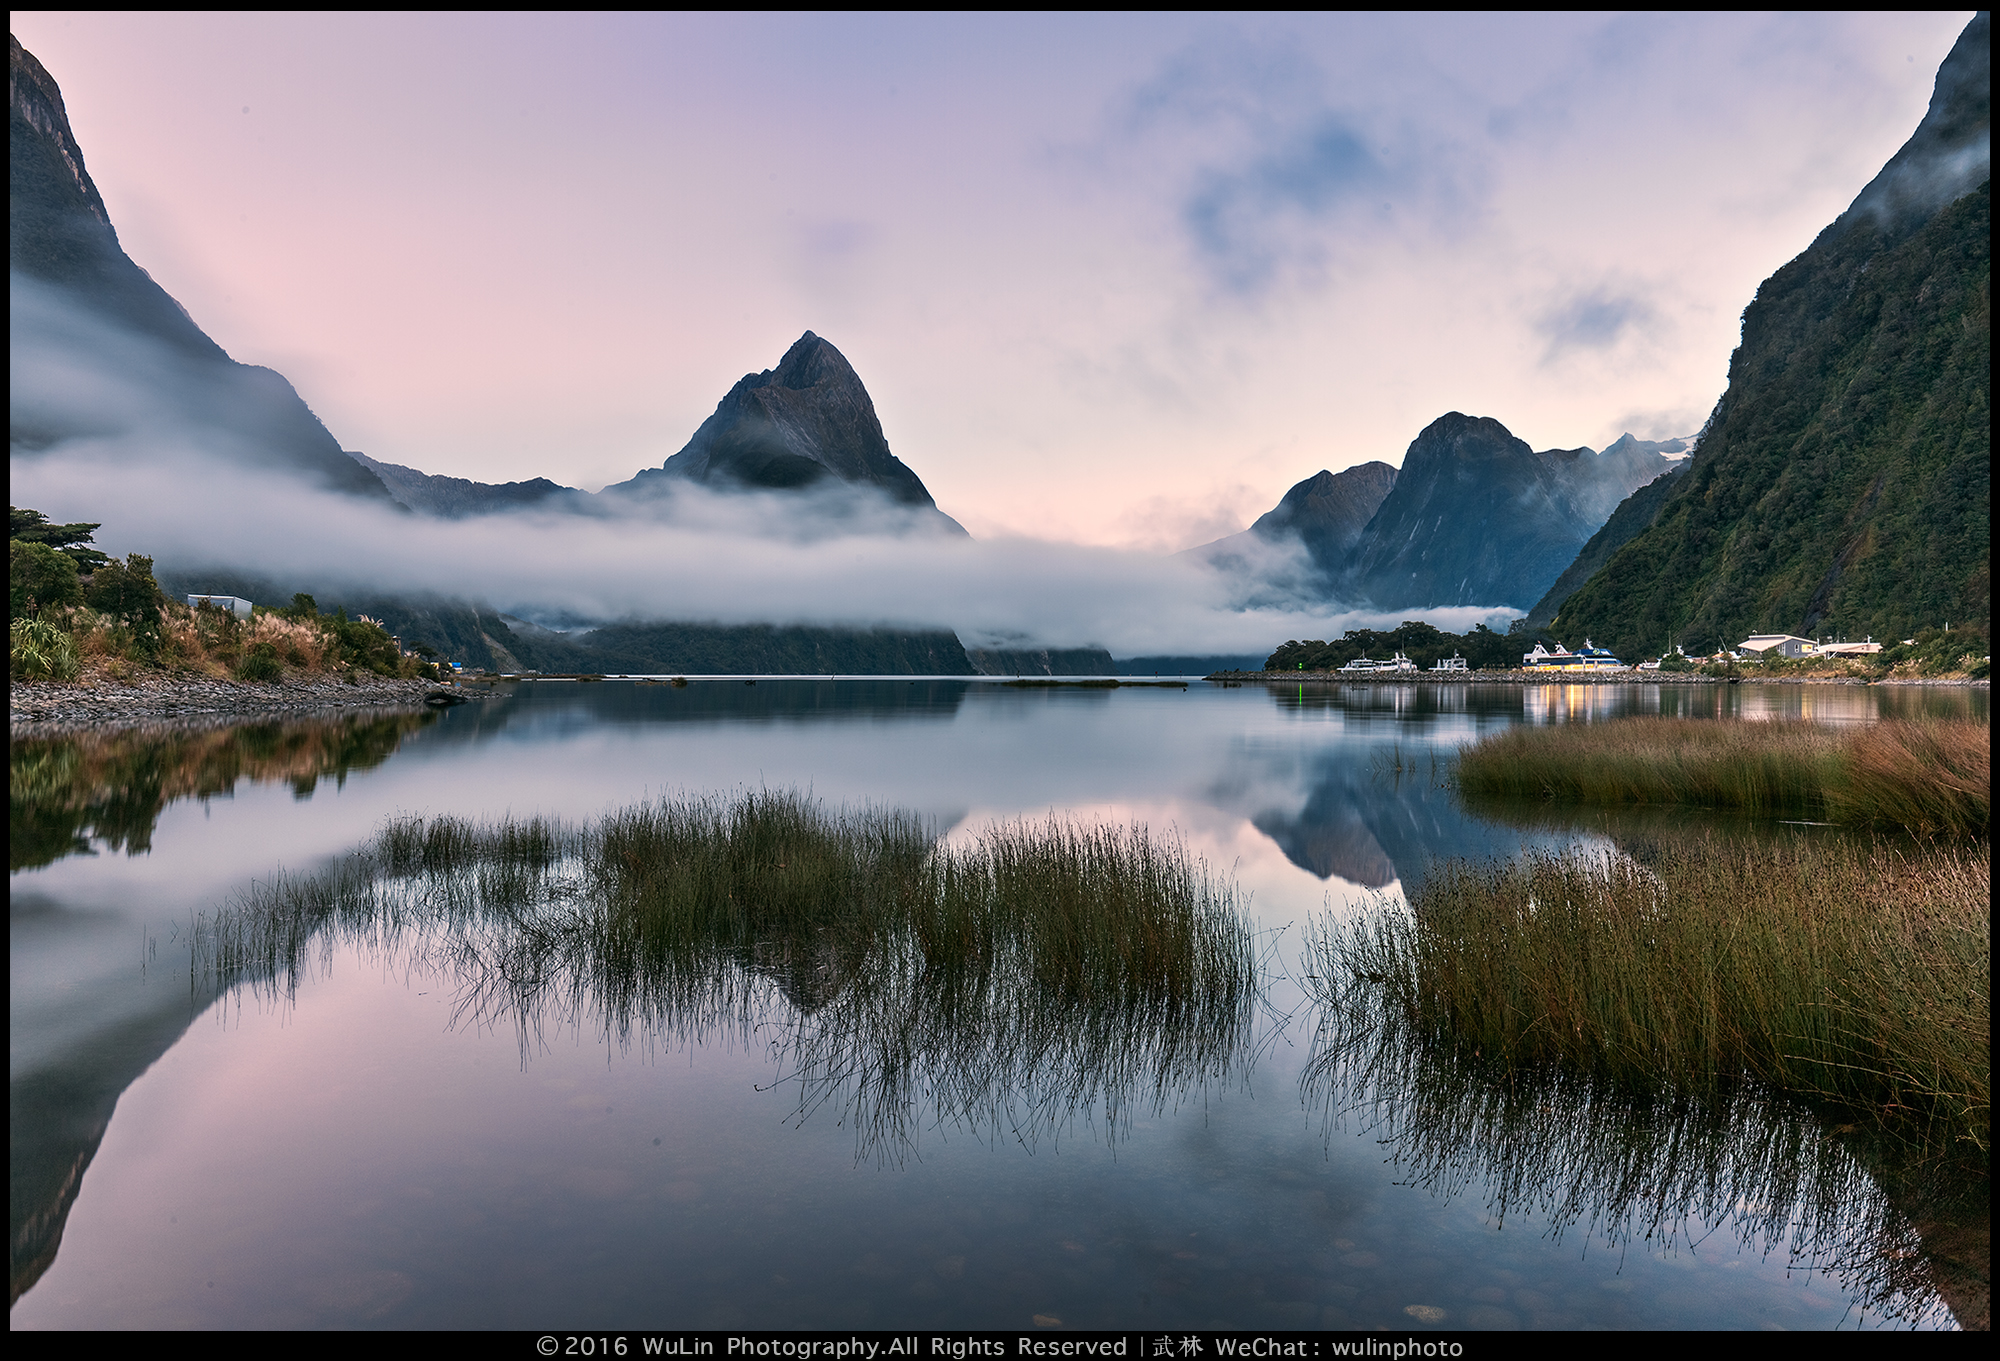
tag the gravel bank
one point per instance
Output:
(41, 705)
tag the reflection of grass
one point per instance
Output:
(1035, 971)
(1924, 775)
(1652, 1168)
(1858, 977)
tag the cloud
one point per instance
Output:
(184, 480)
(1596, 319)
(1278, 174)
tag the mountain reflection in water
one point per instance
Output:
(1300, 786)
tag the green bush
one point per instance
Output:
(260, 664)
(39, 578)
(127, 592)
(39, 650)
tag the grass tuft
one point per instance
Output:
(1029, 973)
(1927, 776)
(1854, 976)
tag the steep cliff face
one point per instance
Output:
(1844, 482)
(1325, 514)
(807, 421)
(1476, 517)
(1635, 514)
(79, 306)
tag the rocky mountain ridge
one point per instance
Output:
(1473, 517)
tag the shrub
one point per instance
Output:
(297, 644)
(40, 650)
(260, 663)
(127, 592)
(39, 578)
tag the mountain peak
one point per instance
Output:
(34, 97)
(1951, 152)
(792, 426)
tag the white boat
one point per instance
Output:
(1362, 666)
(1451, 663)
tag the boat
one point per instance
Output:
(1362, 666)
(1451, 663)
(1589, 657)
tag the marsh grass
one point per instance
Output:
(1931, 776)
(1857, 977)
(1633, 1167)
(1011, 980)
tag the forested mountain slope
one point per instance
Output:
(1843, 484)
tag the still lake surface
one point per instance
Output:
(374, 1147)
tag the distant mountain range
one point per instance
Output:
(808, 423)
(79, 300)
(805, 423)
(1473, 517)
(1842, 483)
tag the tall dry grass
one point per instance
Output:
(1858, 976)
(1931, 776)
(214, 642)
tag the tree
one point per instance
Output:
(39, 578)
(31, 526)
(127, 590)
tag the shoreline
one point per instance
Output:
(1581, 678)
(45, 707)
(36, 707)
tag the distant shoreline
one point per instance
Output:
(48, 706)
(1578, 678)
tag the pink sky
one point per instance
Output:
(1117, 280)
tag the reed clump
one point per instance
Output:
(1011, 978)
(1930, 776)
(1857, 976)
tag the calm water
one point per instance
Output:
(375, 1148)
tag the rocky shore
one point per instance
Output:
(42, 705)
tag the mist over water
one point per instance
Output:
(145, 445)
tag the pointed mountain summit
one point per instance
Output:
(1844, 482)
(77, 302)
(1328, 511)
(797, 425)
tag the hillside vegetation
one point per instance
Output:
(1844, 483)
(112, 621)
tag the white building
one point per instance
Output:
(235, 604)
(1779, 645)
